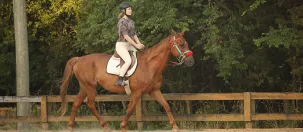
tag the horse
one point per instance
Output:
(147, 79)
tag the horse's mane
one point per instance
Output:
(152, 52)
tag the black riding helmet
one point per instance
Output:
(124, 5)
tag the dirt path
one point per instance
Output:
(217, 130)
(202, 130)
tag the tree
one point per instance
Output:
(7, 49)
(287, 38)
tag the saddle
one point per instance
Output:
(133, 57)
(116, 62)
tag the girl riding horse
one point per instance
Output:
(90, 70)
(127, 39)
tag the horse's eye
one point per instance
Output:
(182, 44)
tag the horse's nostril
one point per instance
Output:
(189, 62)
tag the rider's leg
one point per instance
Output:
(123, 53)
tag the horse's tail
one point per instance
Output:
(68, 73)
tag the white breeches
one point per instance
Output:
(122, 49)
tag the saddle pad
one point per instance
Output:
(113, 68)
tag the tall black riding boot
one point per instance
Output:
(120, 81)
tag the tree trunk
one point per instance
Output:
(22, 61)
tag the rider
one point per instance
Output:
(127, 39)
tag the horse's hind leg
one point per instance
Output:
(77, 103)
(91, 94)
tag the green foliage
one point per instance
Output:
(51, 32)
(222, 41)
(239, 37)
(7, 54)
(282, 36)
(239, 46)
(288, 35)
(97, 29)
(254, 6)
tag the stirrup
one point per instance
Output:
(120, 82)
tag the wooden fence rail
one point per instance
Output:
(248, 115)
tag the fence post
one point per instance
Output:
(139, 114)
(44, 118)
(144, 108)
(188, 106)
(253, 111)
(247, 110)
(286, 105)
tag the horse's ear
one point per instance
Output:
(173, 32)
(182, 33)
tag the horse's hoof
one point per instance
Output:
(70, 129)
(123, 127)
(176, 130)
(107, 130)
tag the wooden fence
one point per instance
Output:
(248, 115)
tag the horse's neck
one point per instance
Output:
(158, 55)
(157, 50)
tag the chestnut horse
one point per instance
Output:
(147, 79)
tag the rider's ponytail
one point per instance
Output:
(120, 15)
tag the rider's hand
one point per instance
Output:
(140, 46)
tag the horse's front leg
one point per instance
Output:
(133, 101)
(157, 95)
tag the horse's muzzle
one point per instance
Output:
(189, 61)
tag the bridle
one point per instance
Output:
(182, 55)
